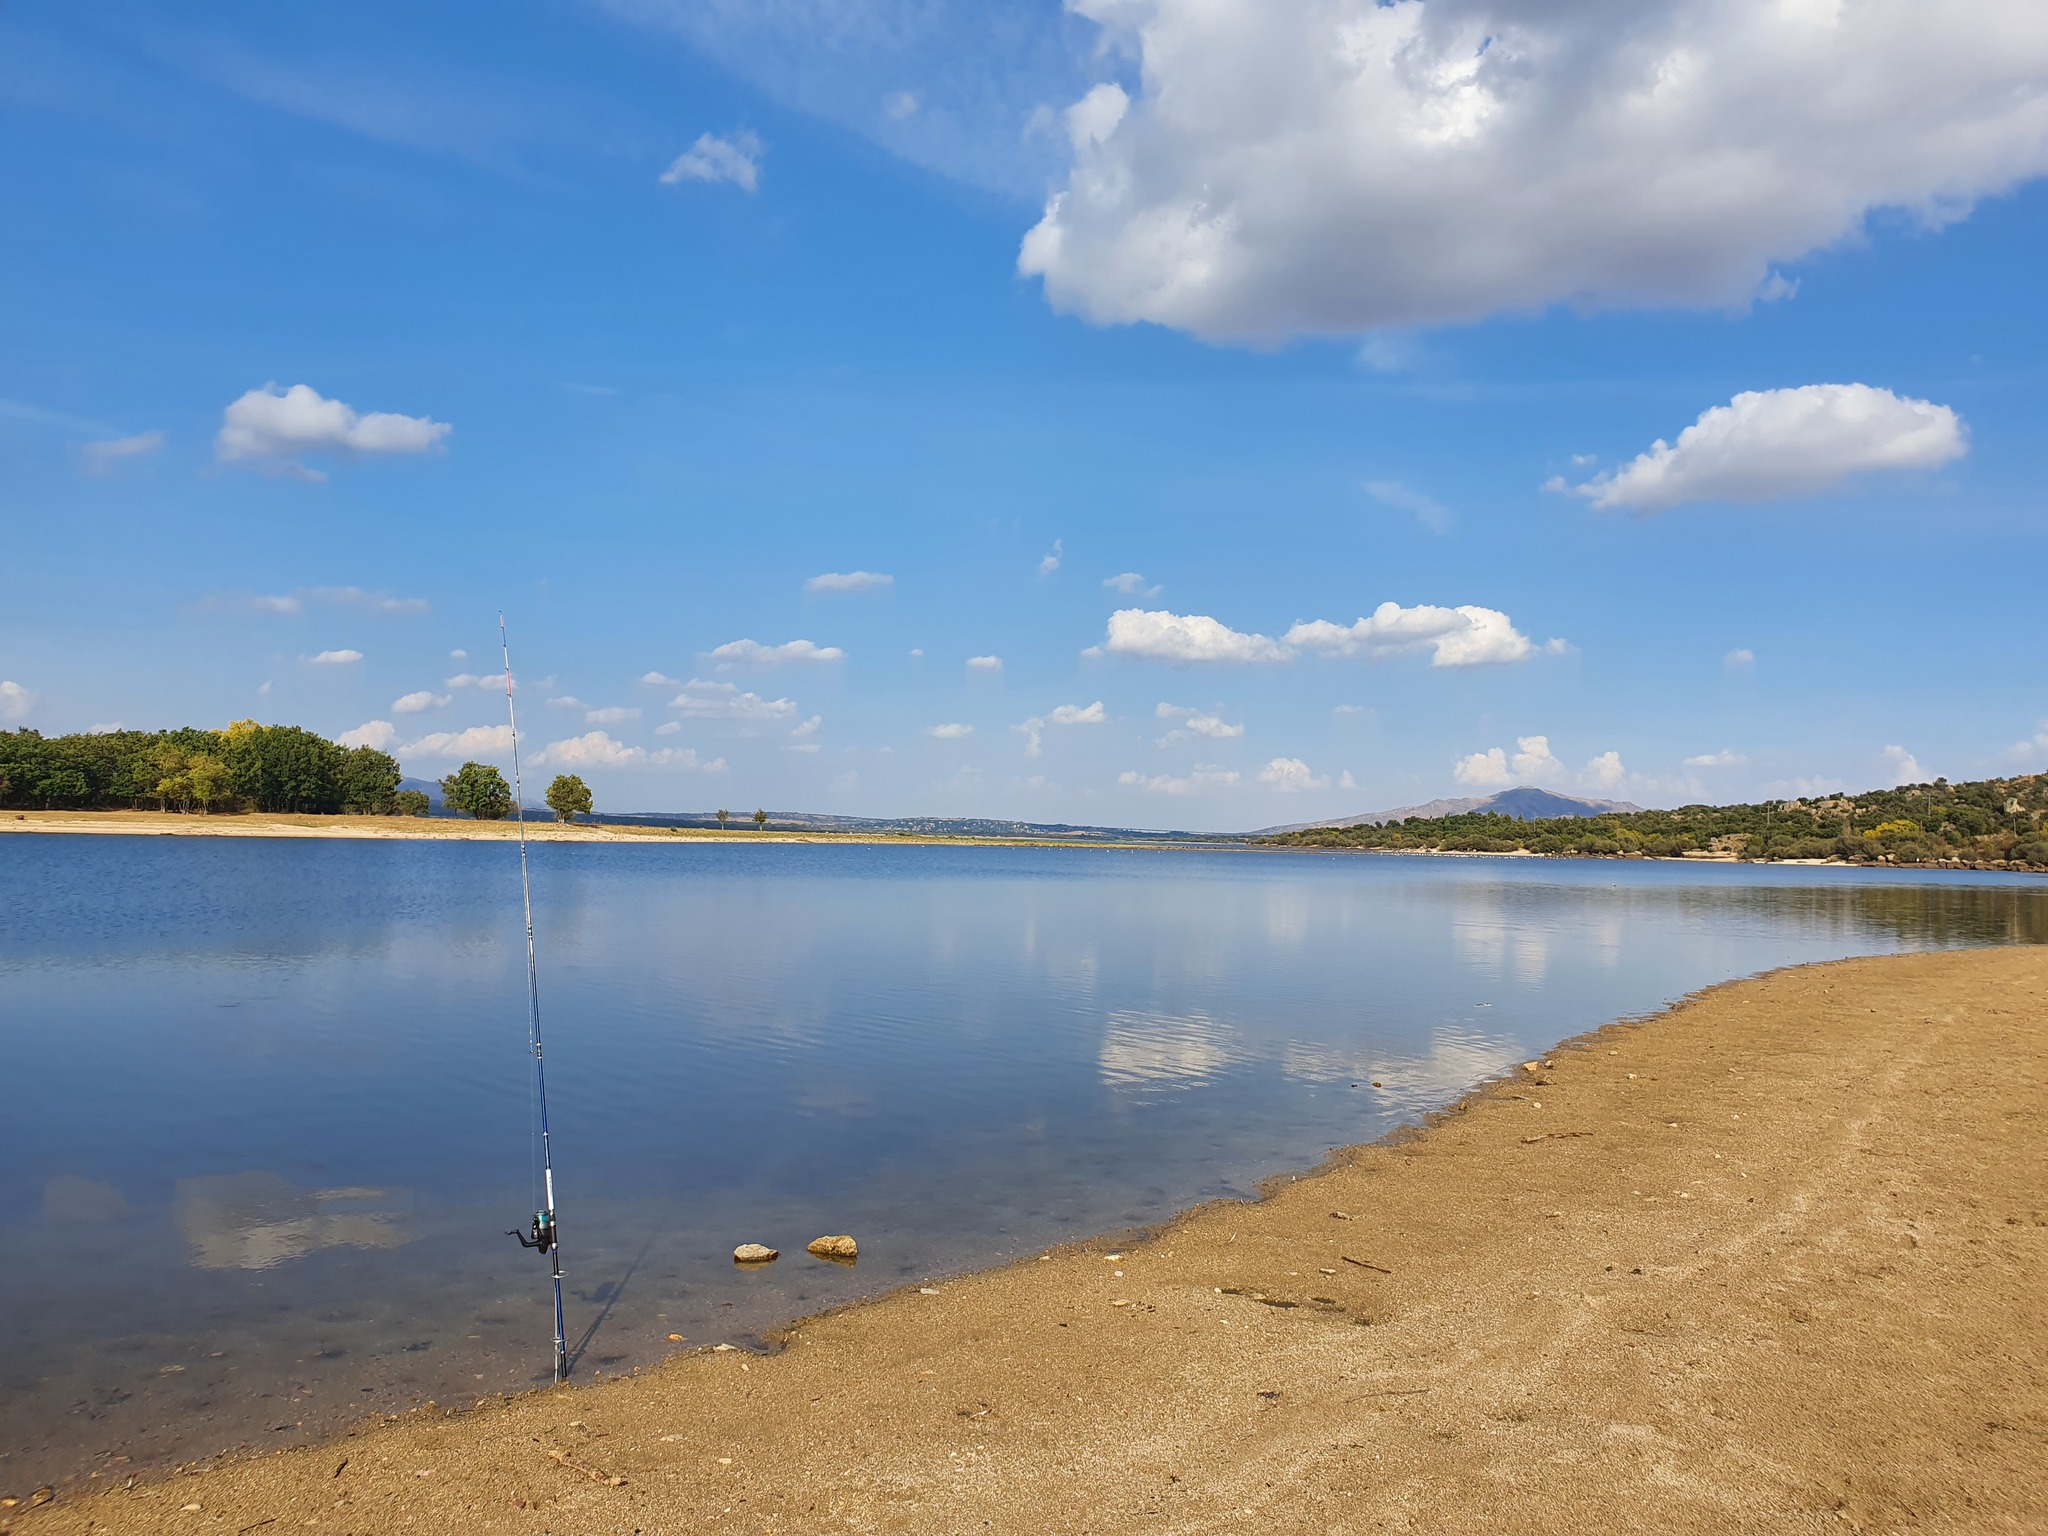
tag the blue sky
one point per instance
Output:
(634, 319)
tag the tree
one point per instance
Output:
(569, 797)
(411, 802)
(721, 819)
(760, 820)
(479, 790)
(369, 779)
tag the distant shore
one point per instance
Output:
(458, 829)
(1773, 1260)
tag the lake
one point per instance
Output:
(269, 1103)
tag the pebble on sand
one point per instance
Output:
(834, 1247)
(754, 1253)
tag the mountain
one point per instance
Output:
(921, 826)
(1524, 802)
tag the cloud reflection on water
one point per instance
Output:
(1163, 1050)
(256, 1220)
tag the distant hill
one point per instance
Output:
(1524, 802)
(920, 826)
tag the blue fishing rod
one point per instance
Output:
(544, 1235)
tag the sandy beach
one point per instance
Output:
(1776, 1260)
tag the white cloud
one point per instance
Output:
(1533, 762)
(1768, 444)
(1466, 636)
(593, 749)
(657, 680)
(613, 714)
(1131, 584)
(340, 597)
(458, 655)
(1433, 515)
(700, 700)
(471, 680)
(1204, 776)
(1725, 758)
(340, 658)
(1336, 166)
(371, 733)
(419, 703)
(917, 652)
(565, 701)
(277, 603)
(1741, 659)
(984, 663)
(669, 728)
(898, 105)
(1903, 767)
(272, 427)
(16, 700)
(99, 458)
(952, 731)
(1184, 638)
(1290, 776)
(1345, 781)
(2035, 745)
(107, 728)
(1051, 562)
(848, 581)
(736, 654)
(807, 729)
(478, 740)
(1456, 637)
(1066, 714)
(1484, 770)
(714, 159)
(1193, 722)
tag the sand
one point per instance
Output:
(1776, 1260)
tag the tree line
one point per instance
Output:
(1988, 822)
(246, 767)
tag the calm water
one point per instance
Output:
(268, 1104)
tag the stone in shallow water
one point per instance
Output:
(835, 1248)
(754, 1253)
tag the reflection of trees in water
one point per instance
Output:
(1931, 915)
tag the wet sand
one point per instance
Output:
(1776, 1260)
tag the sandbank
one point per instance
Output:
(1774, 1260)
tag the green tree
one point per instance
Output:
(411, 802)
(479, 790)
(569, 797)
(721, 819)
(760, 820)
(284, 768)
(369, 779)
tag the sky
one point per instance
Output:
(1205, 414)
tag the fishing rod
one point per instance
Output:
(544, 1235)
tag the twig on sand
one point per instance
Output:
(1361, 1263)
(1554, 1136)
(590, 1472)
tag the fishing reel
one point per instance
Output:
(543, 1234)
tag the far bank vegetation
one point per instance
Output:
(1993, 822)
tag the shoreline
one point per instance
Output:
(1777, 1252)
(451, 829)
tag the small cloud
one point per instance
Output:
(273, 428)
(1903, 766)
(485, 680)
(669, 728)
(1767, 445)
(263, 692)
(1290, 776)
(1051, 562)
(807, 729)
(576, 388)
(594, 749)
(1725, 758)
(16, 700)
(1345, 781)
(281, 603)
(334, 658)
(478, 740)
(1605, 771)
(371, 733)
(917, 652)
(658, 680)
(1192, 722)
(1389, 352)
(1204, 776)
(1433, 515)
(1483, 770)
(1777, 287)
(953, 731)
(898, 105)
(613, 714)
(2035, 746)
(419, 703)
(565, 701)
(1184, 638)
(752, 654)
(1131, 584)
(1350, 711)
(109, 728)
(701, 700)
(100, 458)
(849, 581)
(1066, 714)
(458, 655)
(1741, 659)
(714, 159)
(984, 663)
